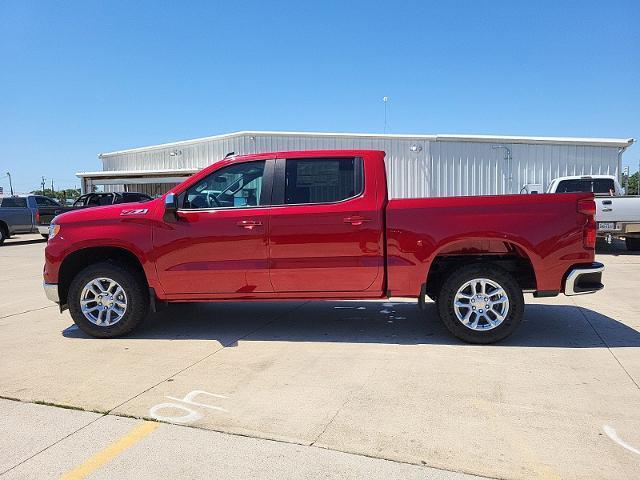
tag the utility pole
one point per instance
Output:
(52, 189)
(626, 180)
(10, 184)
(385, 99)
(43, 180)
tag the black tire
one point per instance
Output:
(633, 243)
(457, 279)
(137, 296)
(3, 234)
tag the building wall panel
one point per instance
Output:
(433, 167)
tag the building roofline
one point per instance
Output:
(613, 142)
(137, 173)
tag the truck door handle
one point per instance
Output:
(606, 202)
(356, 220)
(249, 224)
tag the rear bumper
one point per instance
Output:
(584, 279)
(51, 291)
(43, 229)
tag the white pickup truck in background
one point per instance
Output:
(617, 215)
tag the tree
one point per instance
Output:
(633, 183)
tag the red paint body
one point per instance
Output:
(364, 247)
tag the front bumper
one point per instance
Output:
(584, 279)
(43, 229)
(51, 291)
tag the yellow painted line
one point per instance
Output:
(113, 450)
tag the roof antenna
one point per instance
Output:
(230, 154)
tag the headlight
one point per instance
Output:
(53, 230)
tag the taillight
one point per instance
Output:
(587, 206)
(589, 234)
(37, 216)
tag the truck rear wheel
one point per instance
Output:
(106, 300)
(481, 303)
(633, 243)
(3, 234)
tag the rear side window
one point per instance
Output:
(322, 180)
(13, 202)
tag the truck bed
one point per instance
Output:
(545, 230)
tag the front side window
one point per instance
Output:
(100, 199)
(135, 197)
(322, 180)
(81, 201)
(236, 186)
(46, 202)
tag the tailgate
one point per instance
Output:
(48, 213)
(618, 209)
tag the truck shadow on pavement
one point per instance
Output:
(616, 248)
(560, 326)
(15, 242)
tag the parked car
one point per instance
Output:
(27, 214)
(109, 198)
(617, 216)
(319, 225)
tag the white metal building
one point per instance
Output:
(417, 165)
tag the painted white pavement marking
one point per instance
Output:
(191, 415)
(613, 435)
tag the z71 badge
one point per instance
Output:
(134, 211)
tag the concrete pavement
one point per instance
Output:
(378, 379)
(88, 445)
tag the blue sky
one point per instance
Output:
(83, 77)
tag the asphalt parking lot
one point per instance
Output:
(369, 389)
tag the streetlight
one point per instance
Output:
(385, 99)
(10, 184)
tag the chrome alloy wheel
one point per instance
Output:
(481, 304)
(103, 302)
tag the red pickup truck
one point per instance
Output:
(319, 225)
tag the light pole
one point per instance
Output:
(385, 100)
(10, 184)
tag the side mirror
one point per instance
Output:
(170, 206)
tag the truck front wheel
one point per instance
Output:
(106, 300)
(481, 303)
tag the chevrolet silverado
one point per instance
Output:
(319, 225)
